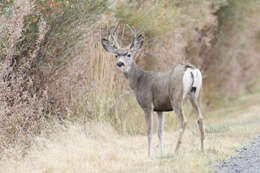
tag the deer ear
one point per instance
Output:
(108, 46)
(137, 43)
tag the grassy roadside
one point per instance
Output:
(96, 147)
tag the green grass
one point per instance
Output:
(217, 129)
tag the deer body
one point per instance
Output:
(154, 88)
(159, 91)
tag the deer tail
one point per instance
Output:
(197, 81)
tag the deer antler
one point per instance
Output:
(133, 30)
(134, 33)
(113, 36)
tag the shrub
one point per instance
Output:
(154, 21)
(36, 32)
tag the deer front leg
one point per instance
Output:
(160, 125)
(183, 123)
(149, 123)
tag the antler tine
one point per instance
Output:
(113, 35)
(132, 29)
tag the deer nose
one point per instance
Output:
(119, 64)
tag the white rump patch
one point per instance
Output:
(192, 78)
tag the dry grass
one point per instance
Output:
(96, 147)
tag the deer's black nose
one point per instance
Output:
(119, 64)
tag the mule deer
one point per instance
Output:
(158, 91)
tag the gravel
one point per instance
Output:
(247, 161)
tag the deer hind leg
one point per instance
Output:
(149, 123)
(160, 125)
(195, 104)
(183, 123)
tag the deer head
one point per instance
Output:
(124, 56)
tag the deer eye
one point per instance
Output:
(128, 55)
(116, 56)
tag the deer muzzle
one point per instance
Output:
(120, 64)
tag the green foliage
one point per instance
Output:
(30, 35)
(5, 5)
(233, 12)
(65, 18)
(5, 15)
(216, 3)
(153, 21)
(217, 129)
(71, 8)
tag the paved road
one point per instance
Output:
(247, 161)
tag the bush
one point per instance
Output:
(154, 21)
(38, 35)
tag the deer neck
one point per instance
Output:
(133, 75)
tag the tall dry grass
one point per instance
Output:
(96, 89)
